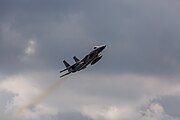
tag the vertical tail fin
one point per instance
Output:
(76, 59)
(66, 64)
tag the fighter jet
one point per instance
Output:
(93, 57)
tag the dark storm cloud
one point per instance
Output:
(22, 20)
(142, 36)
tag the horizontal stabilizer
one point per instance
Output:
(63, 70)
(76, 59)
(65, 74)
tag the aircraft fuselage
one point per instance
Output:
(91, 58)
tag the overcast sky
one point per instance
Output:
(137, 78)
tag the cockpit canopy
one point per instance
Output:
(95, 47)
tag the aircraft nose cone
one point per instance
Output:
(102, 47)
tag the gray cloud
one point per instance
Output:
(142, 37)
(171, 105)
(142, 40)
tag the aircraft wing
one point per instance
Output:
(85, 58)
(65, 74)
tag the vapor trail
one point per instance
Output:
(19, 112)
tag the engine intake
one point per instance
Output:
(96, 60)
